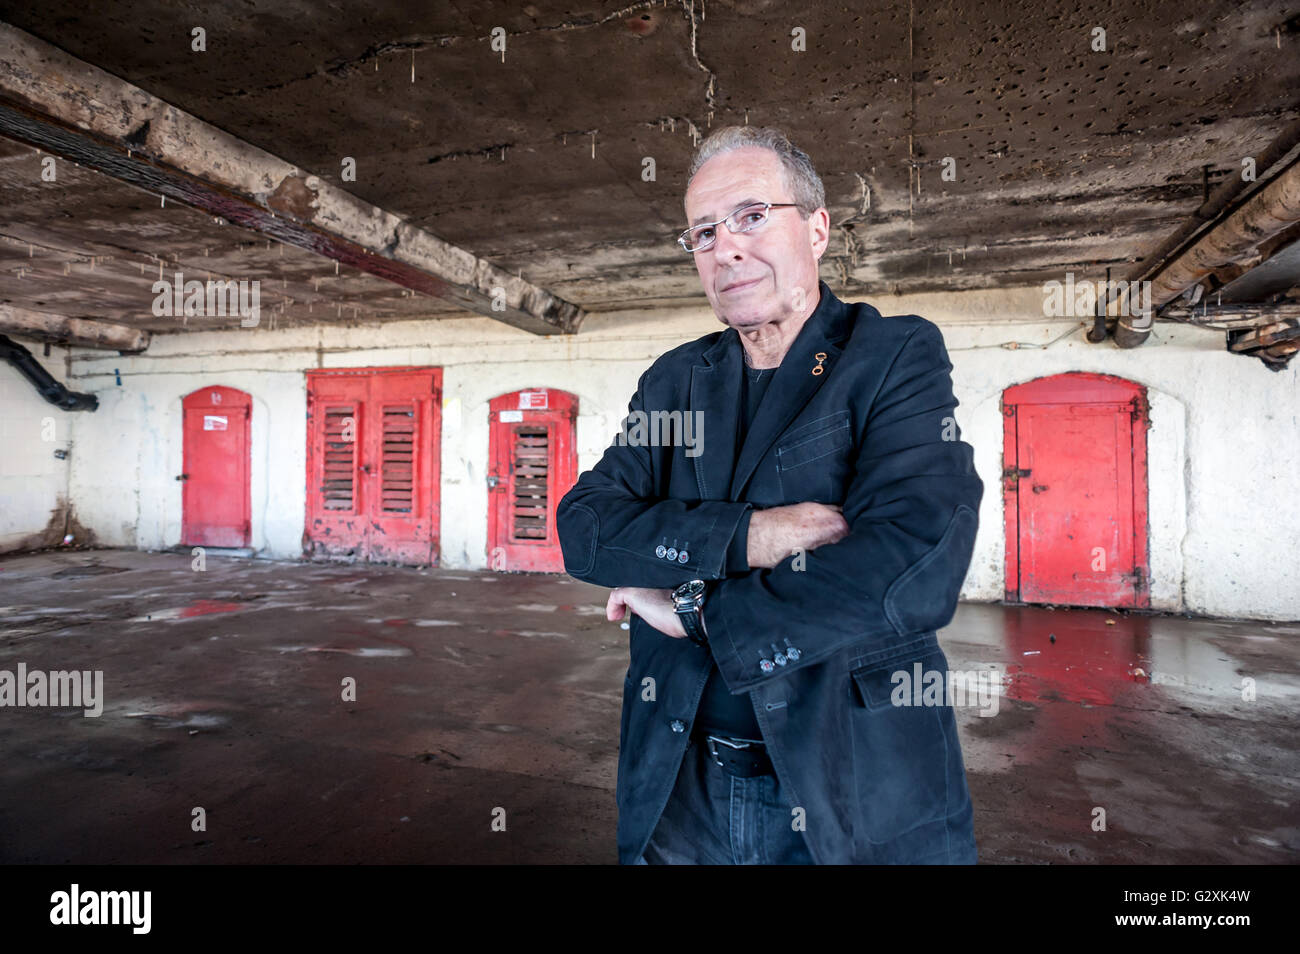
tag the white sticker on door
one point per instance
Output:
(212, 422)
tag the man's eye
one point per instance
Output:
(753, 218)
(703, 235)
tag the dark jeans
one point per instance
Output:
(717, 819)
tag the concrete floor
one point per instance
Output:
(477, 691)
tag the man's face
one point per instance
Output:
(769, 274)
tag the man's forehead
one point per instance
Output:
(734, 179)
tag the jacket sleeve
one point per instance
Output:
(911, 508)
(613, 519)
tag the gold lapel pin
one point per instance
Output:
(820, 356)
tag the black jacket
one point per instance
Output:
(874, 432)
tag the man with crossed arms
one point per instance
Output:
(779, 579)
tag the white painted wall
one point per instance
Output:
(1223, 448)
(33, 482)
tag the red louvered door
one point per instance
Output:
(372, 464)
(533, 462)
(403, 460)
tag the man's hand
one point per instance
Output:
(653, 606)
(775, 533)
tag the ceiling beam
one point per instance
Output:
(1270, 210)
(82, 332)
(68, 107)
(1229, 227)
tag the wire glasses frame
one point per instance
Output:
(692, 241)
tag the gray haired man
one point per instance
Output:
(777, 579)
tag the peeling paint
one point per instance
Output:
(293, 197)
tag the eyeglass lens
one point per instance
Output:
(742, 220)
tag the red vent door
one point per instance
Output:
(401, 468)
(337, 496)
(372, 464)
(533, 463)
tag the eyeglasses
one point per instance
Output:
(745, 219)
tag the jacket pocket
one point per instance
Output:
(814, 441)
(815, 462)
(900, 746)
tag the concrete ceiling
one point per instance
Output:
(1066, 158)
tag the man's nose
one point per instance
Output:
(727, 247)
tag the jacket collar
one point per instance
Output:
(715, 391)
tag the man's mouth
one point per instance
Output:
(741, 285)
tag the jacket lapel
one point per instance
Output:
(715, 390)
(793, 386)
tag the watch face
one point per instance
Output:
(689, 591)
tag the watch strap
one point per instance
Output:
(693, 625)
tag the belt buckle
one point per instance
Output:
(712, 740)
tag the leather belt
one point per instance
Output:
(743, 758)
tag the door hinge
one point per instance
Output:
(1138, 578)
(1012, 475)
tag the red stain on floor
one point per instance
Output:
(207, 607)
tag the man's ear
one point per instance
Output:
(819, 232)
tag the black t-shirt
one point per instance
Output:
(720, 712)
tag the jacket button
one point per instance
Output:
(678, 725)
(780, 659)
(766, 665)
(793, 654)
(672, 553)
(683, 556)
(660, 551)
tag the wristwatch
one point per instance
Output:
(688, 603)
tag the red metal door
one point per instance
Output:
(215, 508)
(403, 440)
(1075, 491)
(337, 502)
(533, 461)
(373, 436)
